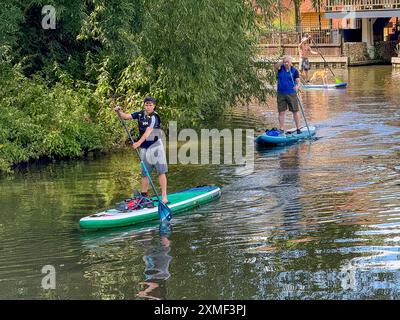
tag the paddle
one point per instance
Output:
(337, 80)
(164, 212)
(302, 112)
(301, 106)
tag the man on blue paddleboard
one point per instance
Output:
(288, 78)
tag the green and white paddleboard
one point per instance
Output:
(178, 202)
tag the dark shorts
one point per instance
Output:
(154, 157)
(304, 64)
(288, 101)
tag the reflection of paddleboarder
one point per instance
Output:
(157, 260)
(290, 181)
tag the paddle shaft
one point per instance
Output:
(301, 105)
(302, 112)
(138, 154)
(326, 63)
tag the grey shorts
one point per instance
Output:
(287, 101)
(154, 157)
(304, 64)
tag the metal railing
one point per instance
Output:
(294, 37)
(358, 5)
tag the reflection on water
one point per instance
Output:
(157, 260)
(315, 220)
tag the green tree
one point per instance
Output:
(197, 57)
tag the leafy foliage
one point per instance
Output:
(197, 57)
(40, 122)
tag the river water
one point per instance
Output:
(317, 220)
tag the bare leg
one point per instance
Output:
(282, 120)
(162, 178)
(306, 75)
(145, 184)
(303, 73)
(296, 118)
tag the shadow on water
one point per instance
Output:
(274, 150)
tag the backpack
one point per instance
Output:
(274, 132)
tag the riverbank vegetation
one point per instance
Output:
(58, 85)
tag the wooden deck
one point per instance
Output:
(396, 62)
(317, 62)
(332, 50)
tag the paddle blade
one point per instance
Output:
(165, 229)
(164, 212)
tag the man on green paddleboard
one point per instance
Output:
(151, 147)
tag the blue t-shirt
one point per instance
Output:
(287, 80)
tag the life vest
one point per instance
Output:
(144, 122)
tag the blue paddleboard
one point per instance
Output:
(290, 136)
(325, 86)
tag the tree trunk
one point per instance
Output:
(319, 16)
(297, 15)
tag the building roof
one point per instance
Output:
(363, 14)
